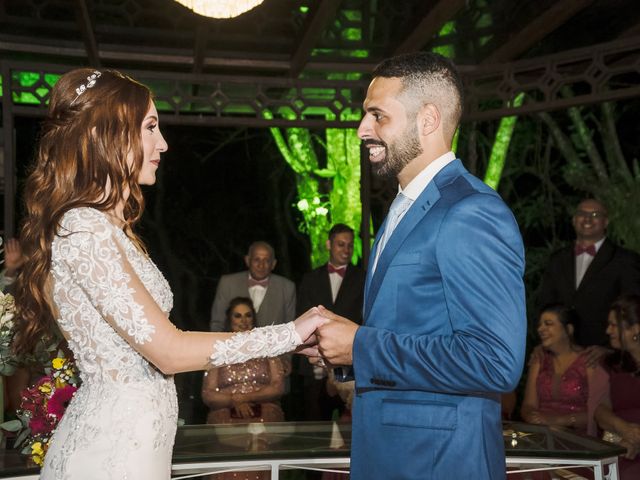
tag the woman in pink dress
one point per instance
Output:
(619, 413)
(246, 392)
(560, 388)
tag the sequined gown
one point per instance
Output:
(569, 394)
(121, 423)
(248, 377)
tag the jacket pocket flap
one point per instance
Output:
(436, 415)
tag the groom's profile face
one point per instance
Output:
(387, 129)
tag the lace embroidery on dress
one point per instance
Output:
(269, 341)
(122, 421)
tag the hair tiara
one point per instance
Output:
(91, 81)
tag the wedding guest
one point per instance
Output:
(339, 286)
(244, 392)
(273, 296)
(12, 262)
(561, 389)
(590, 274)
(619, 413)
(86, 270)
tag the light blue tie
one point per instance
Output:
(399, 206)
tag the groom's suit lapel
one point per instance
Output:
(418, 210)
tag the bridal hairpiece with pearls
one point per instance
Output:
(91, 81)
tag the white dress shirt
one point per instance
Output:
(257, 293)
(336, 281)
(416, 186)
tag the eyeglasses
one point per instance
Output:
(595, 215)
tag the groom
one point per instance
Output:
(444, 308)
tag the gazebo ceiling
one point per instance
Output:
(503, 47)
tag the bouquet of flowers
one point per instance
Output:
(42, 407)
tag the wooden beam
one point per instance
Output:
(316, 21)
(88, 36)
(633, 31)
(538, 28)
(430, 25)
(200, 48)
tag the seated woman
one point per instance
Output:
(245, 392)
(619, 413)
(561, 390)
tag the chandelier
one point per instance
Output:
(220, 8)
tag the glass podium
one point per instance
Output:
(201, 450)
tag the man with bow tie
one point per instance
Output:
(590, 274)
(339, 286)
(273, 296)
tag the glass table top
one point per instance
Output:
(297, 440)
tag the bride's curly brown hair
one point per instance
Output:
(89, 155)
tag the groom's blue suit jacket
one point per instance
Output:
(443, 337)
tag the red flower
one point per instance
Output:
(58, 402)
(39, 425)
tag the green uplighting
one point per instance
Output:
(353, 34)
(32, 88)
(501, 146)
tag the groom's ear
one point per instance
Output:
(428, 119)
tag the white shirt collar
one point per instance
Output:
(420, 181)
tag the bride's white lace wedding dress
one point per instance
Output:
(121, 423)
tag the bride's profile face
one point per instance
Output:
(153, 144)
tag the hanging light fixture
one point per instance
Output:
(220, 8)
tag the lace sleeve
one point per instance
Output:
(260, 342)
(87, 247)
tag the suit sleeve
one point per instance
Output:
(303, 299)
(548, 292)
(480, 259)
(630, 278)
(290, 302)
(220, 304)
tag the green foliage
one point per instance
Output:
(329, 194)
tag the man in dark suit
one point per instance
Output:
(339, 286)
(590, 274)
(273, 296)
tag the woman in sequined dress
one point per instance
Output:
(619, 412)
(561, 389)
(249, 391)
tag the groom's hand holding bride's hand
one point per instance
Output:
(335, 338)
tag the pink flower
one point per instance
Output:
(58, 402)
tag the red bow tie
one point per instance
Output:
(591, 250)
(339, 270)
(263, 283)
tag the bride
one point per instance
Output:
(87, 270)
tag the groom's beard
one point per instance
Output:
(397, 154)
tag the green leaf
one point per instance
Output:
(22, 437)
(11, 425)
